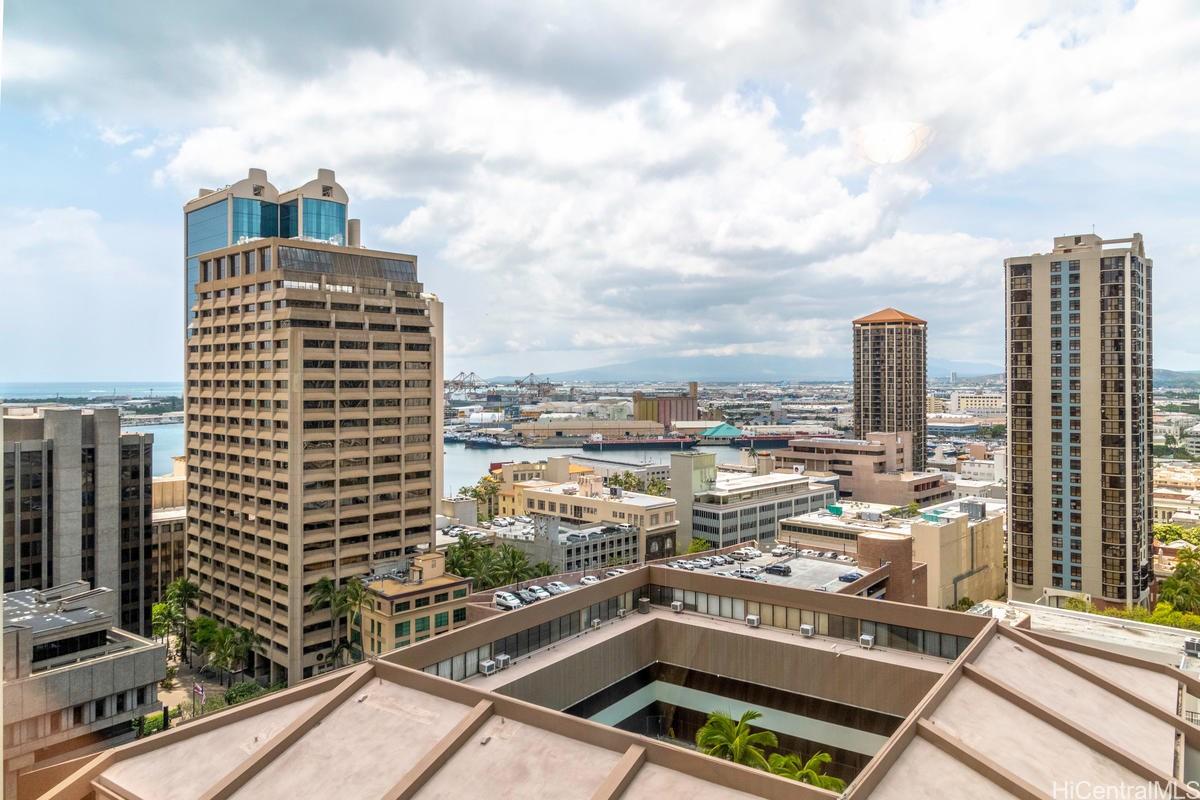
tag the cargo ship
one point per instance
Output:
(648, 443)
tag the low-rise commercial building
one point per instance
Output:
(960, 542)
(877, 469)
(588, 501)
(983, 403)
(573, 548)
(727, 507)
(73, 681)
(410, 605)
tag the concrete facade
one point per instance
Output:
(889, 377)
(72, 681)
(76, 495)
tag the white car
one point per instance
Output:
(780, 551)
(612, 573)
(589, 580)
(559, 585)
(844, 557)
(541, 593)
(507, 602)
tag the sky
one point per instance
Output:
(593, 183)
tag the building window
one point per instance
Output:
(422, 624)
(460, 615)
(441, 619)
(402, 629)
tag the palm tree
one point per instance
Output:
(221, 655)
(182, 593)
(354, 597)
(325, 594)
(203, 632)
(458, 560)
(542, 569)
(811, 772)
(486, 568)
(512, 565)
(244, 642)
(735, 741)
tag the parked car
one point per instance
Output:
(807, 552)
(558, 586)
(829, 554)
(506, 602)
(703, 563)
(850, 577)
(844, 557)
(779, 569)
(751, 570)
(527, 596)
(612, 573)
(541, 593)
(780, 550)
(589, 580)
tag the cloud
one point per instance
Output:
(590, 184)
(78, 303)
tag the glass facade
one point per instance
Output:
(207, 229)
(325, 220)
(253, 219)
(349, 264)
(289, 220)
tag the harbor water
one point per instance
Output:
(462, 466)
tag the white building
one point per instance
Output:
(976, 402)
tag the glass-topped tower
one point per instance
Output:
(253, 209)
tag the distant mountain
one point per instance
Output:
(1172, 379)
(747, 368)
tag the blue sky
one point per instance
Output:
(592, 184)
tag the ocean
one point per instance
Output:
(461, 467)
(26, 391)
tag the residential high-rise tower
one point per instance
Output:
(1078, 322)
(314, 424)
(889, 377)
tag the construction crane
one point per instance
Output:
(542, 386)
(465, 380)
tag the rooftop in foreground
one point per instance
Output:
(997, 711)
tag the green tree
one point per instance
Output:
(203, 633)
(1182, 590)
(242, 691)
(736, 741)
(512, 566)
(165, 618)
(244, 643)
(485, 492)
(657, 487)
(354, 597)
(222, 653)
(182, 593)
(698, 545)
(542, 569)
(325, 594)
(626, 480)
(811, 772)
(485, 570)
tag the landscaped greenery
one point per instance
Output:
(698, 546)
(910, 510)
(489, 567)
(1167, 532)
(1178, 604)
(735, 740)
(632, 483)
(485, 492)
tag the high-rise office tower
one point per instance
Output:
(75, 493)
(889, 377)
(314, 420)
(1079, 421)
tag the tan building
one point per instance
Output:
(960, 542)
(168, 548)
(982, 403)
(668, 408)
(314, 426)
(889, 377)
(877, 469)
(935, 405)
(514, 476)
(1078, 328)
(408, 607)
(170, 491)
(588, 501)
(583, 427)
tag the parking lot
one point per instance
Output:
(807, 572)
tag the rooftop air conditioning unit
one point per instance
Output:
(621, 612)
(1191, 646)
(677, 606)
(487, 667)
(866, 641)
(752, 620)
(596, 623)
(807, 631)
(502, 661)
